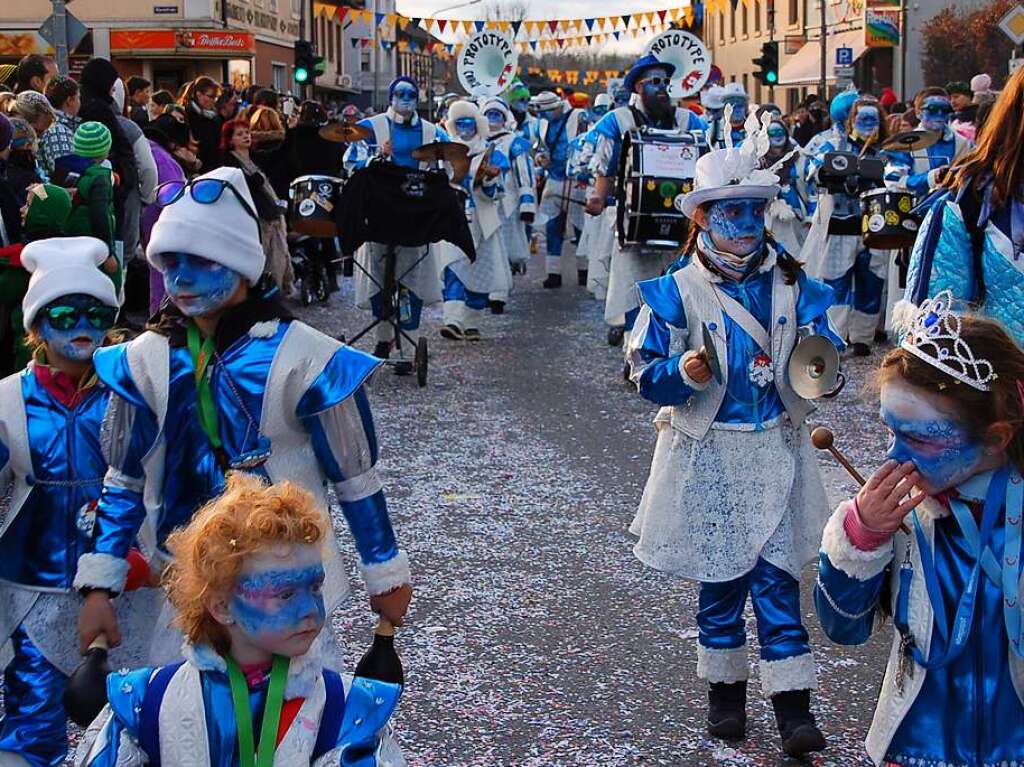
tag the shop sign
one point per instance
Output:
(262, 20)
(214, 40)
(160, 10)
(881, 26)
(14, 45)
(217, 40)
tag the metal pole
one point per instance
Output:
(376, 59)
(822, 85)
(60, 35)
(903, 49)
(224, 68)
(771, 38)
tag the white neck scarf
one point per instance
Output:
(729, 265)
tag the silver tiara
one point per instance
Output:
(934, 337)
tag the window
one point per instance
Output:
(364, 60)
(746, 86)
(721, 26)
(757, 15)
(337, 44)
(732, 21)
(272, 6)
(330, 41)
(279, 76)
(743, 19)
(757, 92)
(794, 13)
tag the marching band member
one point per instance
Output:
(619, 93)
(697, 519)
(921, 171)
(54, 451)
(467, 286)
(593, 240)
(559, 125)
(518, 205)
(949, 583)
(247, 585)
(396, 133)
(786, 217)
(649, 81)
(970, 241)
(735, 96)
(234, 383)
(526, 125)
(856, 272)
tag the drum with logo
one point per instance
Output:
(312, 201)
(887, 222)
(654, 168)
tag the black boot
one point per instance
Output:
(797, 728)
(615, 334)
(382, 350)
(860, 349)
(497, 307)
(553, 281)
(581, 277)
(727, 710)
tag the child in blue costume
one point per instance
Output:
(55, 444)
(932, 544)
(234, 383)
(247, 584)
(735, 499)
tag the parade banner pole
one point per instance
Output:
(60, 35)
(823, 84)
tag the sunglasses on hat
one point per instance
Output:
(205, 191)
(67, 317)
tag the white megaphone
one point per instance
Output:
(814, 368)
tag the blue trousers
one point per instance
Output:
(775, 595)
(34, 724)
(554, 233)
(860, 287)
(455, 290)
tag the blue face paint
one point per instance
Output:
(276, 603)
(777, 135)
(495, 119)
(620, 96)
(196, 285)
(550, 114)
(737, 226)
(77, 343)
(654, 90)
(465, 128)
(740, 105)
(936, 112)
(936, 441)
(600, 111)
(403, 100)
(867, 121)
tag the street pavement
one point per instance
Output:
(535, 637)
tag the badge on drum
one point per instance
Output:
(876, 222)
(892, 218)
(688, 54)
(905, 204)
(325, 190)
(307, 207)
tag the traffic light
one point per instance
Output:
(304, 61)
(768, 64)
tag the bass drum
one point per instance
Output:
(654, 168)
(311, 205)
(887, 221)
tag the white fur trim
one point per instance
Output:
(796, 673)
(686, 378)
(382, 577)
(264, 329)
(303, 670)
(903, 314)
(862, 565)
(722, 666)
(101, 571)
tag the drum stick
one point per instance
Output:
(823, 439)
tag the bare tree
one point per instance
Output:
(506, 10)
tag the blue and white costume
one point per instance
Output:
(183, 714)
(971, 711)
(788, 213)
(696, 519)
(417, 267)
(919, 171)
(467, 286)
(944, 258)
(520, 196)
(631, 265)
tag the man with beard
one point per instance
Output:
(649, 80)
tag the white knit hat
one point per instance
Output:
(981, 83)
(64, 266)
(222, 231)
(602, 100)
(499, 104)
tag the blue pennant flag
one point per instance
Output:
(479, 25)
(590, 24)
(379, 17)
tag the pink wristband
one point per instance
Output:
(861, 536)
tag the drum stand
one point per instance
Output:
(390, 293)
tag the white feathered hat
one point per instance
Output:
(734, 173)
(462, 109)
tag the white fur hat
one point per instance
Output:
(713, 97)
(734, 90)
(602, 100)
(499, 104)
(462, 109)
(221, 231)
(64, 266)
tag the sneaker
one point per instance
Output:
(860, 349)
(727, 710)
(797, 728)
(472, 334)
(615, 335)
(497, 307)
(382, 350)
(581, 277)
(452, 333)
(553, 281)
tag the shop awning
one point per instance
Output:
(804, 67)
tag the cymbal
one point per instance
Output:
(344, 132)
(448, 151)
(911, 140)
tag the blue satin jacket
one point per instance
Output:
(943, 259)
(914, 170)
(607, 129)
(967, 713)
(745, 402)
(367, 707)
(404, 138)
(41, 547)
(192, 475)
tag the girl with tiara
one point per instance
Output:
(734, 499)
(247, 584)
(933, 543)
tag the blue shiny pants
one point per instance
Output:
(860, 287)
(554, 234)
(462, 306)
(34, 725)
(775, 595)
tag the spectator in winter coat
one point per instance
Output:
(34, 73)
(139, 91)
(65, 98)
(21, 164)
(200, 102)
(165, 135)
(144, 192)
(93, 212)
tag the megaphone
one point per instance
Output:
(814, 368)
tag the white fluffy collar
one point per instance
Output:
(303, 671)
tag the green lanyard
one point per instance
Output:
(247, 754)
(202, 351)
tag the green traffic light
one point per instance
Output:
(301, 75)
(772, 77)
